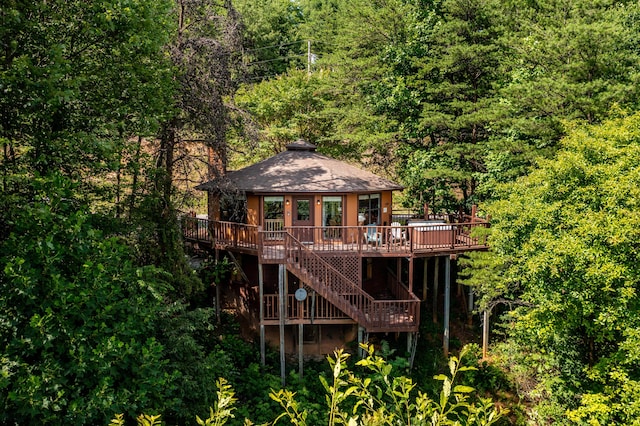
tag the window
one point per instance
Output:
(233, 208)
(273, 210)
(274, 207)
(369, 209)
(332, 215)
(303, 209)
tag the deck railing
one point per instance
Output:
(374, 315)
(416, 237)
(234, 234)
(314, 308)
(195, 229)
(273, 229)
(329, 282)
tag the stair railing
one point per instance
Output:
(328, 281)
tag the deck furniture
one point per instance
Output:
(373, 236)
(397, 235)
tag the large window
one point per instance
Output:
(274, 207)
(233, 208)
(332, 215)
(273, 210)
(369, 209)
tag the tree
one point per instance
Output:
(372, 396)
(569, 61)
(271, 42)
(79, 79)
(78, 319)
(456, 79)
(567, 235)
(332, 105)
(203, 53)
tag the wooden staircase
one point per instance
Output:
(348, 296)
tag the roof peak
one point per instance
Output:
(301, 145)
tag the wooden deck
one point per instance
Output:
(307, 253)
(415, 240)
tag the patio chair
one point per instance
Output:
(397, 234)
(373, 236)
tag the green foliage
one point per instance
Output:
(191, 341)
(564, 244)
(141, 420)
(79, 77)
(215, 272)
(271, 40)
(380, 399)
(223, 407)
(148, 420)
(373, 397)
(78, 319)
(158, 241)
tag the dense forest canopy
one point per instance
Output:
(111, 111)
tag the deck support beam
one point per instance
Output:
(282, 273)
(300, 348)
(436, 281)
(424, 279)
(218, 285)
(410, 274)
(447, 304)
(470, 306)
(412, 345)
(485, 333)
(263, 351)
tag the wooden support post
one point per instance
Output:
(282, 272)
(360, 340)
(470, 307)
(424, 279)
(412, 346)
(301, 304)
(218, 319)
(263, 351)
(436, 280)
(447, 304)
(300, 347)
(485, 333)
(411, 274)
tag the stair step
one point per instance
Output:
(339, 299)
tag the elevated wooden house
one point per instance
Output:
(325, 258)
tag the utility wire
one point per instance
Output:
(280, 58)
(276, 45)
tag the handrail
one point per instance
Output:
(381, 315)
(351, 296)
(195, 228)
(319, 310)
(235, 234)
(419, 236)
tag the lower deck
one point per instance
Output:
(339, 268)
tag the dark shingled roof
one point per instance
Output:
(300, 169)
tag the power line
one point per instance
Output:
(280, 58)
(275, 45)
